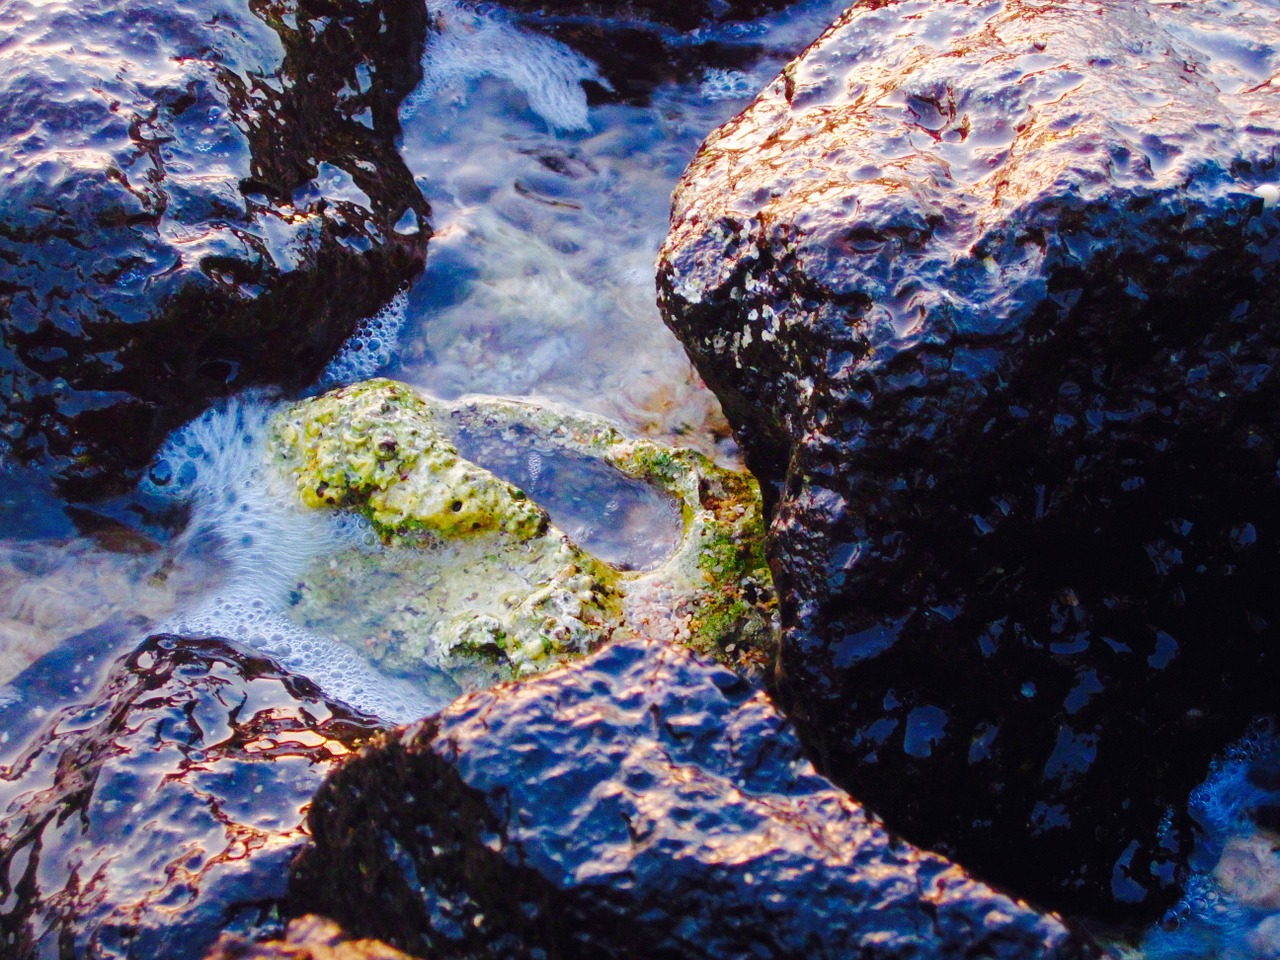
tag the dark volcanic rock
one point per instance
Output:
(194, 198)
(638, 805)
(989, 293)
(307, 938)
(143, 824)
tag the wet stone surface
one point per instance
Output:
(166, 810)
(636, 804)
(184, 191)
(988, 294)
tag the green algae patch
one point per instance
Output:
(474, 579)
(372, 447)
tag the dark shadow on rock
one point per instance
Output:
(988, 292)
(638, 804)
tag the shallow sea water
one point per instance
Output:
(548, 214)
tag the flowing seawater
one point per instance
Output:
(548, 212)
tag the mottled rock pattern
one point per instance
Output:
(166, 809)
(194, 198)
(988, 291)
(637, 804)
(306, 938)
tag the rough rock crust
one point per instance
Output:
(194, 198)
(988, 292)
(637, 804)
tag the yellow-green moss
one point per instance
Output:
(477, 580)
(372, 447)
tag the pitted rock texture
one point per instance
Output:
(641, 805)
(988, 292)
(194, 198)
(165, 810)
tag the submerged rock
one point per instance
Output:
(636, 804)
(988, 292)
(192, 200)
(474, 577)
(146, 822)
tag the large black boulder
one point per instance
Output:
(637, 804)
(195, 198)
(167, 808)
(988, 291)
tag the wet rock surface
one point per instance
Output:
(637, 804)
(193, 200)
(165, 810)
(988, 293)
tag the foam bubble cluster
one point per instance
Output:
(718, 84)
(1229, 904)
(267, 542)
(469, 44)
(370, 347)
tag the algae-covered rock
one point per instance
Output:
(473, 577)
(377, 449)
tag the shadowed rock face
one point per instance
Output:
(145, 822)
(641, 805)
(194, 198)
(988, 292)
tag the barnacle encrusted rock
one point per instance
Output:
(473, 577)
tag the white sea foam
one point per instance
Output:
(470, 44)
(267, 541)
(370, 347)
(1225, 909)
(718, 84)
